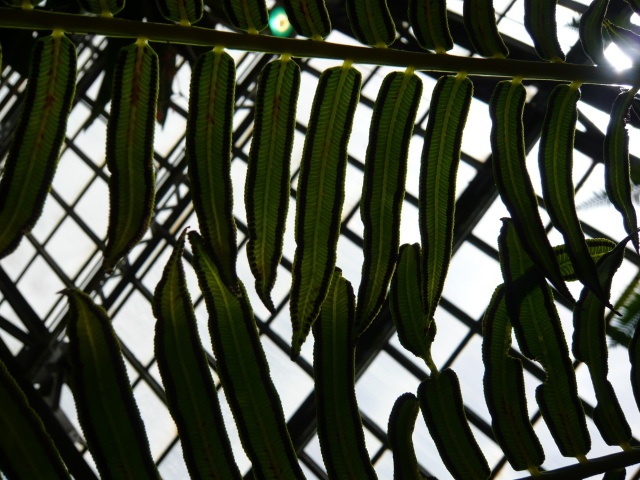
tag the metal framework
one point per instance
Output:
(64, 250)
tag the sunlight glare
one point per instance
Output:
(618, 59)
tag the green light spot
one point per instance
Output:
(279, 23)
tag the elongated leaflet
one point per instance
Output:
(385, 173)
(534, 317)
(634, 359)
(268, 173)
(339, 425)
(428, 18)
(512, 179)
(504, 390)
(479, 19)
(590, 347)
(26, 449)
(597, 248)
(591, 31)
(450, 104)
(191, 393)
(107, 411)
(540, 22)
(321, 195)
(616, 164)
(309, 18)
(106, 8)
(443, 412)
(402, 421)
(208, 151)
(244, 371)
(184, 12)
(247, 15)
(35, 148)
(405, 302)
(130, 149)
(371, 22)
(556, 166)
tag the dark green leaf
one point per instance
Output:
(106, 8)
(402, 421)
(268, 173)
(247, 15)
(591, 31)
(383, 189)
(309, 18)
(371, 22)
(184, 12)
(107, 411)
(130, 150)
(479, 18)
(540, 22)
(321, 195)
(191, 393)
(35, 149)
(428, 19)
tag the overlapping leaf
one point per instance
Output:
(428, 19)
(383, 190)
(35, 149)
(309, 18)
(625, 40)
(597, 248)
(450, 104)
(268, 172)
(107, 411)
(371, 22)
(533, 314)
(556, 166)
(540, 22)
(443, 412)
(591, 31)
(504, 390)
(249, 16)
(590, 347)
(402, 421)
(339, 425)
(616, 164)
(130, 132)
(479, 18)
(244, 371)
(208, 151)
(191, 394)
(512, 179)
(26, 449)
(321, 195)
(184, 12)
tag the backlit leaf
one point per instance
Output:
(480, 23)
(184, 12)
(371, 22)
(309, 18)
(540, 22)
(247, 15)
(428, 19)
(402, 421)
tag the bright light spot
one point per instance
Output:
(635, 19)
(279, 23)
(618, 59)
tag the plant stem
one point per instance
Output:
(157, 32)
(593, 466)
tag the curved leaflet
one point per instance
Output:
(616, 164)
(107, 410)
(556, 165)
(184, 12)
(208, 152)
(130, 131)
(339, 424)
(443, 412)
(371, 22)
(450, 104)
(479, 18)
(402, 421)
(35, 147)
(591, 31)
(250, 16)
(534, 317)
(540, 22)
(383, 189)
(428, 18)
(309, 18)
(625, 40)
(590, 347)
(268, 172)
(504, 390)
(321, 195)
(191, 394)
(26, 449)
(106, 8)
(513, 182)
(244, 371)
